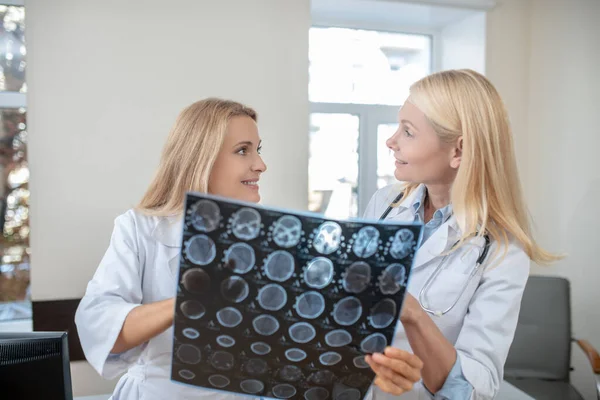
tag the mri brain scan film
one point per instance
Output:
(285, 305)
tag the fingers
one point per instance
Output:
(397, 367)
(388, 386)
(390, 380)
(410, 358)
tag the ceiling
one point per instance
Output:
(426, 15)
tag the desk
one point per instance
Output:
(507, 392)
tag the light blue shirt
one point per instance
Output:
(456, 386)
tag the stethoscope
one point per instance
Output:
(433, 276)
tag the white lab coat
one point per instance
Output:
(139, 267)
(482, 324)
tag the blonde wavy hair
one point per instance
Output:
(486, 195)
(189, 154)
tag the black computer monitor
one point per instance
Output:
(35, 365)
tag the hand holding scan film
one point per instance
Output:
(283, 304)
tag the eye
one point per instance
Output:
(408, 133)
(259, 149)
(243, 151)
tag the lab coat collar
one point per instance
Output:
(439, 242)
(168, 231)
(399, 212)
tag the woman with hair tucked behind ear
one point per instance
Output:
(454, 151)
(125, 319)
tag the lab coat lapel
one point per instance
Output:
(168, 232)
(438, 243)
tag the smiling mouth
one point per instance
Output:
(253, 183)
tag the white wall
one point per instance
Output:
(543, 56)
(463, 43)
(106, 80)
(564, 145)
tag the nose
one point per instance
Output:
(392, 142)
(259, 165)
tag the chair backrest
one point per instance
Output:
(542, 344)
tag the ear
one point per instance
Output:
(457, 154)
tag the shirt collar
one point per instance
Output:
(439, 215)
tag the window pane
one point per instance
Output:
(333, 165)
(14, 215)
(385, 158)
(12, 49)
(365, 67)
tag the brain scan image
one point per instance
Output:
(360, 362)
(272, 297)
(222, 360)
(229, 317)
(366, 242)
(402, 244)
(287, 231)
(265, 325)
(256, 367)
(290, 373)
(196, 280)
(338, 338)
(328, 238)
(245, 224)
(187, 374)
(295, 355)
(310, 305)
(374, 343)
(318, 273)
(347, 311)
(330, 358)
(240, 258)
(225, 341)
(200, 250)
(323, 377)
(357, 277)
(279, 266)
(343, 392)
(261, 348)
(383, 314)
(279, 304)
(284, 391)
(205, 215)
(191, 333)
(392, 279)
(302, 332)
(192, 309)
(189, 354)
(235, 289)
(316, 393)
(252, 386)
(219, 381)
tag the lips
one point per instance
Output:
(251, 182)
(400, 162)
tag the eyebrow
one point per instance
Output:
(247, 143)
(407, 122)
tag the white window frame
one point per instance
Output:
(14, 100)
(371, 115)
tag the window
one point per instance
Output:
(358, 80)
(14, 171)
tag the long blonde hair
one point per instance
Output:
(486, 195)
(189, 154)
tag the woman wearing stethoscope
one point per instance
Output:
(454, 150)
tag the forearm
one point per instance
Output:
(430, 345)
(143, 323)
